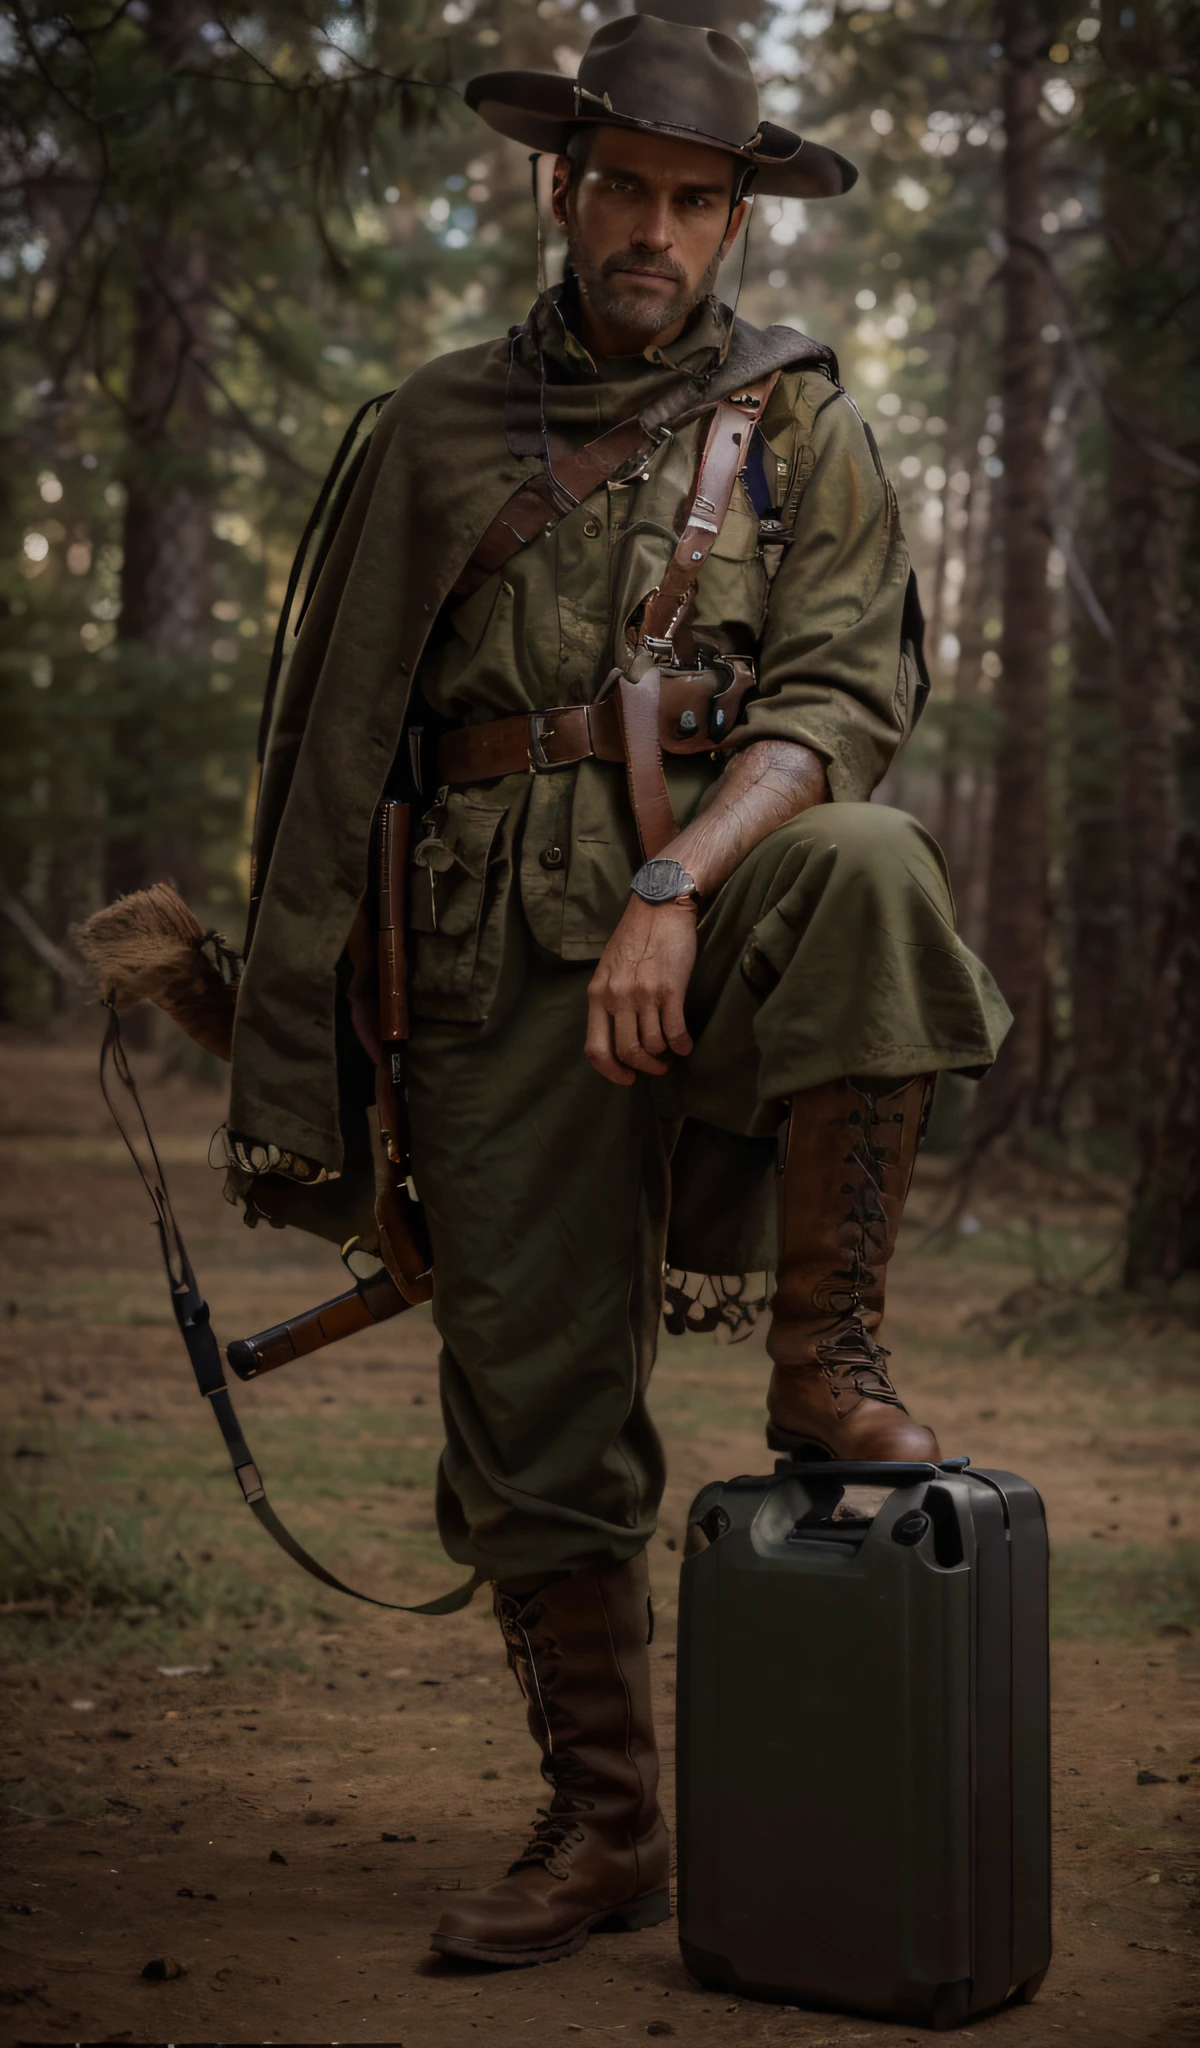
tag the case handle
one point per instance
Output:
(864, 1472)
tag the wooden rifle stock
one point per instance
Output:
(371, 1301)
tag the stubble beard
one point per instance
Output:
(639, 314)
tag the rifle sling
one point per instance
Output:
(195, 1325)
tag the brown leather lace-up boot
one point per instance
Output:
(598, 1856)
(852, 1146)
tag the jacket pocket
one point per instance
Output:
(731, 598)
(461, 872)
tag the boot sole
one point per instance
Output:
(649, 1911)
(798, 1446)
(811, 1451)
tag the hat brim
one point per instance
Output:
(541, 110)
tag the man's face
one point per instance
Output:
(647, 226)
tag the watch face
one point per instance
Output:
(660, 881)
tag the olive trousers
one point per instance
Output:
(830, 951)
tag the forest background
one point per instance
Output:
(223, 229)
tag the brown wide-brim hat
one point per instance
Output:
(661, 78)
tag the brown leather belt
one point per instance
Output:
(697, 711)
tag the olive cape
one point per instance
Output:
(447, 450)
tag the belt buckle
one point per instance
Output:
(539, 762)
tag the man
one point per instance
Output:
(582, 1049)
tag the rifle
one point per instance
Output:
(405, 1280)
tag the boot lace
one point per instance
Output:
(853, 1364)
(553, 1831)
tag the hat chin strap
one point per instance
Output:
(537, 215)
(745, 234)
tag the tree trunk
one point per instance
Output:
(1017, 916)
(1148, 505)
(1097, 896)
(1163, 1240)
(165, 623)
(1161, 751)
(964, 770)
(1151, 216)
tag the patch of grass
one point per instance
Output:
(1118, 1343)
(1130, 1592)
(353, 1451)
(76, 1578)
(350, 1452)
(79, 1559)
(104, 1300)
(176, 1568)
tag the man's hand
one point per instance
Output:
(635, 998)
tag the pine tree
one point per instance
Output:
(215, 240)
(1143, 113)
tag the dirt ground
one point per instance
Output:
(279, 1826)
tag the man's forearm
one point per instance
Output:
(636, 996)
(763, 786)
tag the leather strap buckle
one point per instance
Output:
(725, 705)
(541, 728)
(538, 763)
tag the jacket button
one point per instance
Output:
(591, 527)
(551, 857)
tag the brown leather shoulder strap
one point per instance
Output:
(668, 609)
(538, 504)
(724, 454)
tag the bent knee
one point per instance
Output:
(868, 833)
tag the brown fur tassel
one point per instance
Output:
(148, 948)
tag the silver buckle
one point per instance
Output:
(663, 650)
(540, 729)
(535, 751)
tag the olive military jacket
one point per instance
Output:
(835, 671)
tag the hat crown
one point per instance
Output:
(660, 78)
(666, 73)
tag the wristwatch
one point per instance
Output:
(663, 881)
